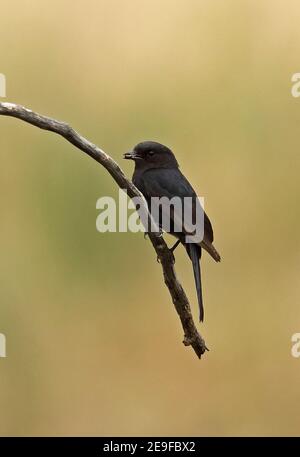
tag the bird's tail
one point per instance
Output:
(211, 250)
(194, 252)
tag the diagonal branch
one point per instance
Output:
(179, 298)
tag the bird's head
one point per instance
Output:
(150, 154)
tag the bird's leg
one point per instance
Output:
(172, 249)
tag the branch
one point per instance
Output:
(179, 298)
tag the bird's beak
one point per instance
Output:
(130, 155)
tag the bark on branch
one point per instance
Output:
(179, 298)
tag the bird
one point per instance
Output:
(157, 174)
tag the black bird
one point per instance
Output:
(157, 174)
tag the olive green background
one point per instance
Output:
(94, 346)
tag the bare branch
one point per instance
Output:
(179, 298)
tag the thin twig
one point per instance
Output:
(179, 298)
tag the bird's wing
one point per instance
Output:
(160, 182)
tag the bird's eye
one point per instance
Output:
(150, 153)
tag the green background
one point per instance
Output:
(93, 341)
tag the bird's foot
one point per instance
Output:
(172, 249)
(172, 257)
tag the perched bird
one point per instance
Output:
(157, 174)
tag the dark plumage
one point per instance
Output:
(157, 174)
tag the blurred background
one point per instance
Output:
(94, 346)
